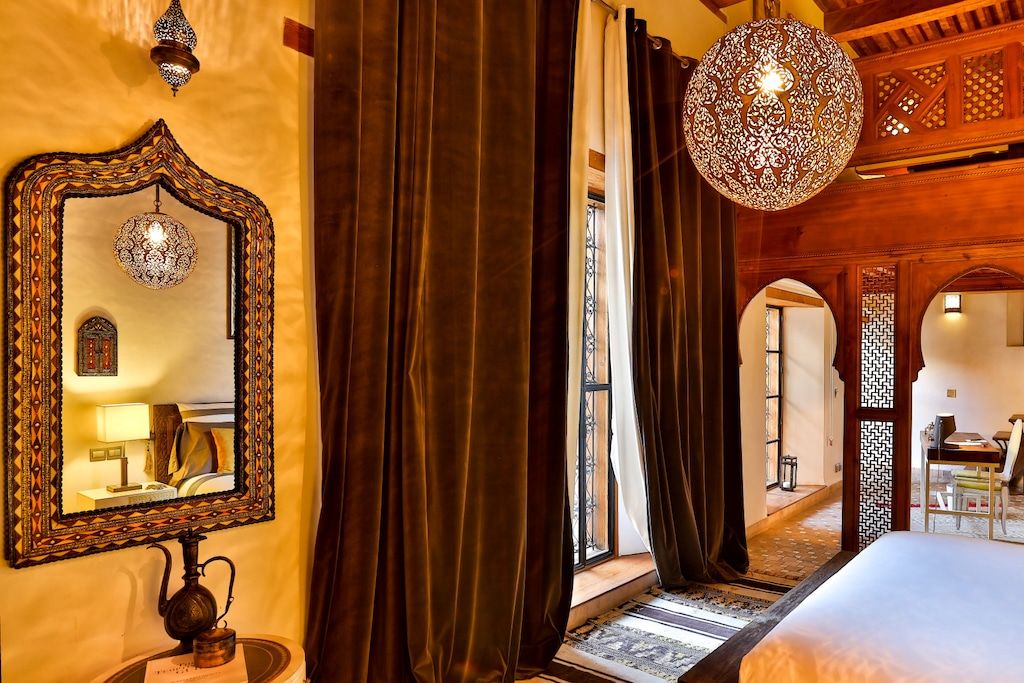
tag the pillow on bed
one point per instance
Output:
(193, 451)
(207, 412)
(224, 441)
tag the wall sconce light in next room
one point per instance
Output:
(952, 303)
(173, 55)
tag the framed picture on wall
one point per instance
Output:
(97, 348)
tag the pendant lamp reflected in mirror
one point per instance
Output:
(155, 249)
(773, 113)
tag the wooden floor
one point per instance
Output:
(602, 587)
(598, 580)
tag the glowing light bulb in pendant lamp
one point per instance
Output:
(952, 303)
(773, 113)
(155, 249)
(176, 39)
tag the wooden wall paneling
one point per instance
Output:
(903, 405)
(850, 352)
(1011, 66)
(920, 213)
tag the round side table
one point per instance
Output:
(268, 659)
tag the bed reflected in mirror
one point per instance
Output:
(148, 369)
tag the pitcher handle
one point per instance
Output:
(231, 583)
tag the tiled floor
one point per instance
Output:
(799, 546)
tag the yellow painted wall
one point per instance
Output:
(76, 76)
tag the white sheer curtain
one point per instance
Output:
(620, 225)
(579, 156)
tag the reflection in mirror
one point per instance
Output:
(149, 360)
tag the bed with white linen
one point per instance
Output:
(910, 607)
(195, 447)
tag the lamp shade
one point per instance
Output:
(773, 113)
(122, 422)
(945, 425)
(952, 303)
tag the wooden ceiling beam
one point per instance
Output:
(714, 8)
(884, 16)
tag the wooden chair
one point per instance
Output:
(972, 483)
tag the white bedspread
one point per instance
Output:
(910, 607)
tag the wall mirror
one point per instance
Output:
(139, 372)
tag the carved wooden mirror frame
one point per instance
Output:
(37, 531)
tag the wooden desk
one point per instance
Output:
(981, 455)
(268, 659)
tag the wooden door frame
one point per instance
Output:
(828, 282)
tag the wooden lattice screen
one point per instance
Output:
(950, 95)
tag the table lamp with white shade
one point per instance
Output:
(123, 422)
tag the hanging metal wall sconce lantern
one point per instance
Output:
(155, 249)
(173, 55)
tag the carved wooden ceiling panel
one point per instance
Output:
(877, 26)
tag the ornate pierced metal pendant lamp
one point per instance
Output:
(773, 113)
(155, 249)
(173, 53)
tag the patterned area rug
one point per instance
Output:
(660, 634)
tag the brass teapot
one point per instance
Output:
(193, 608)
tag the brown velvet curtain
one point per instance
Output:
(685, 337)
(441, 131)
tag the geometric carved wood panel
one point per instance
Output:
(876, 477)
(947, 95)
(878, 337)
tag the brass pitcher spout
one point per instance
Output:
(162, 601)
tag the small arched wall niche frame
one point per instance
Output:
(927, 283)
(35, 191)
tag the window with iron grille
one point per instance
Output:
(593, 485)
(773, 395)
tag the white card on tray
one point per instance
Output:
(182, 669)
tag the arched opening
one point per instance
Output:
(791, 405)
(972, 344)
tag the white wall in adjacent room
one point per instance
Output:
(803, 410)
(752, 370)
(968, 352)
(812, 397)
